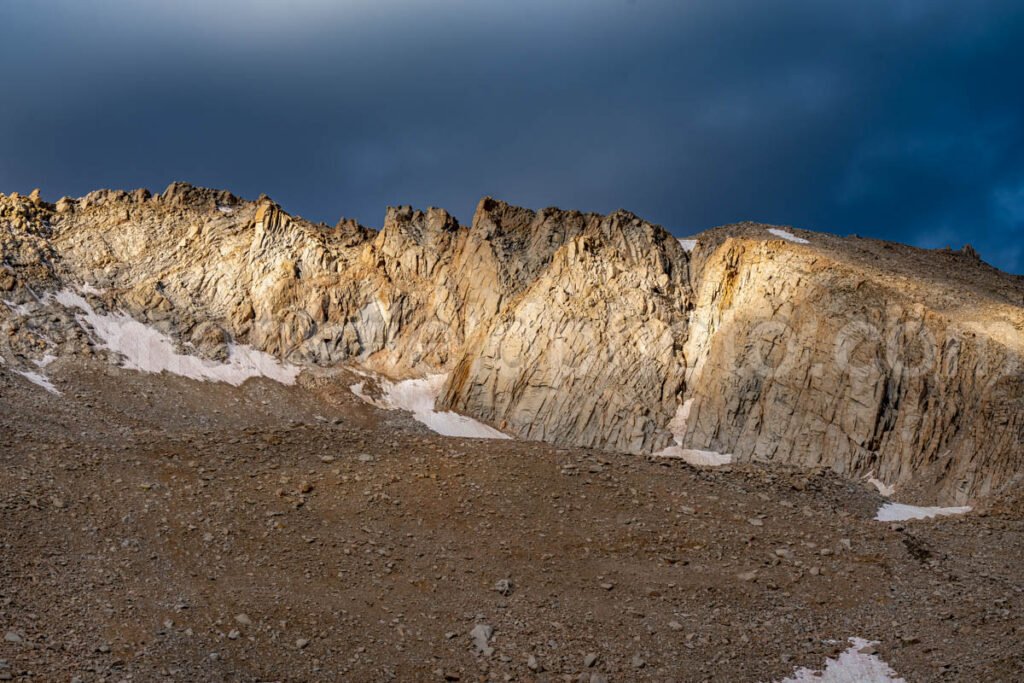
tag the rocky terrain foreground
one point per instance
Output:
(159, 528)
(236, 445)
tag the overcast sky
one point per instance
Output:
(899, 119)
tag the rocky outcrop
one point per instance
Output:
(578, 329)
(814, 356)
(591, 352)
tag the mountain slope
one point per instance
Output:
(578, 329)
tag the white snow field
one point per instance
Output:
(787, 235)
(898, 512)
(148, 350)
(851, 666)
(417, 396)
(688, 245)
(39, 380)
(690, 455)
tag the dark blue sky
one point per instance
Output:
(900, 119)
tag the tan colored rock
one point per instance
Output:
(591, 352)
(863, 356)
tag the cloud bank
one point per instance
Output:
(900, 119)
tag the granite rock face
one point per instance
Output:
(848, 356)
(579, 329)
(591, 352)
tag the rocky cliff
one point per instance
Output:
(600, 331)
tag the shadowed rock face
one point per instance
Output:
(572, 328)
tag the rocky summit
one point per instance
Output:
(238, 445)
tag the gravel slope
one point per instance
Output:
(157, 528)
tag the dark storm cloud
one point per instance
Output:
(897, 119)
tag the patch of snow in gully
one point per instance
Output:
(417, 396)
(39, 380)
(18, 309)
(787, 235)
(688, 245)
(148, 350)
(882, 487)
(690, 455)
(898, 512)
(851, 666)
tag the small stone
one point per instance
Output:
(326, 458)
(301, 643)
(869, 649)
(754, 521)
(365, 457)
(233, 634)
(504, 586)
(103, 648)
(638, 662)
(607, 586)
(481, 635)
(532, 664)
(12, 637)
(747, 576)
(590, 660)
(243, 619)
(675, 626)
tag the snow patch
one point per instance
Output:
(696, 457)
(39, 380)
(148, 350)
(417, 396)
(692, 456)
(851, 666)
(45, 360)
(225, 209)
(787, 235)
(687, 245)
(882, 487)
(18, 309)
(86, 288)
(898, 512)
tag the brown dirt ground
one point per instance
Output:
(141, 516)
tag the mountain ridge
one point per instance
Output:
(576, 328)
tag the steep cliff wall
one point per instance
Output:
(600, 331)
(811, 356)
(591, 353)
